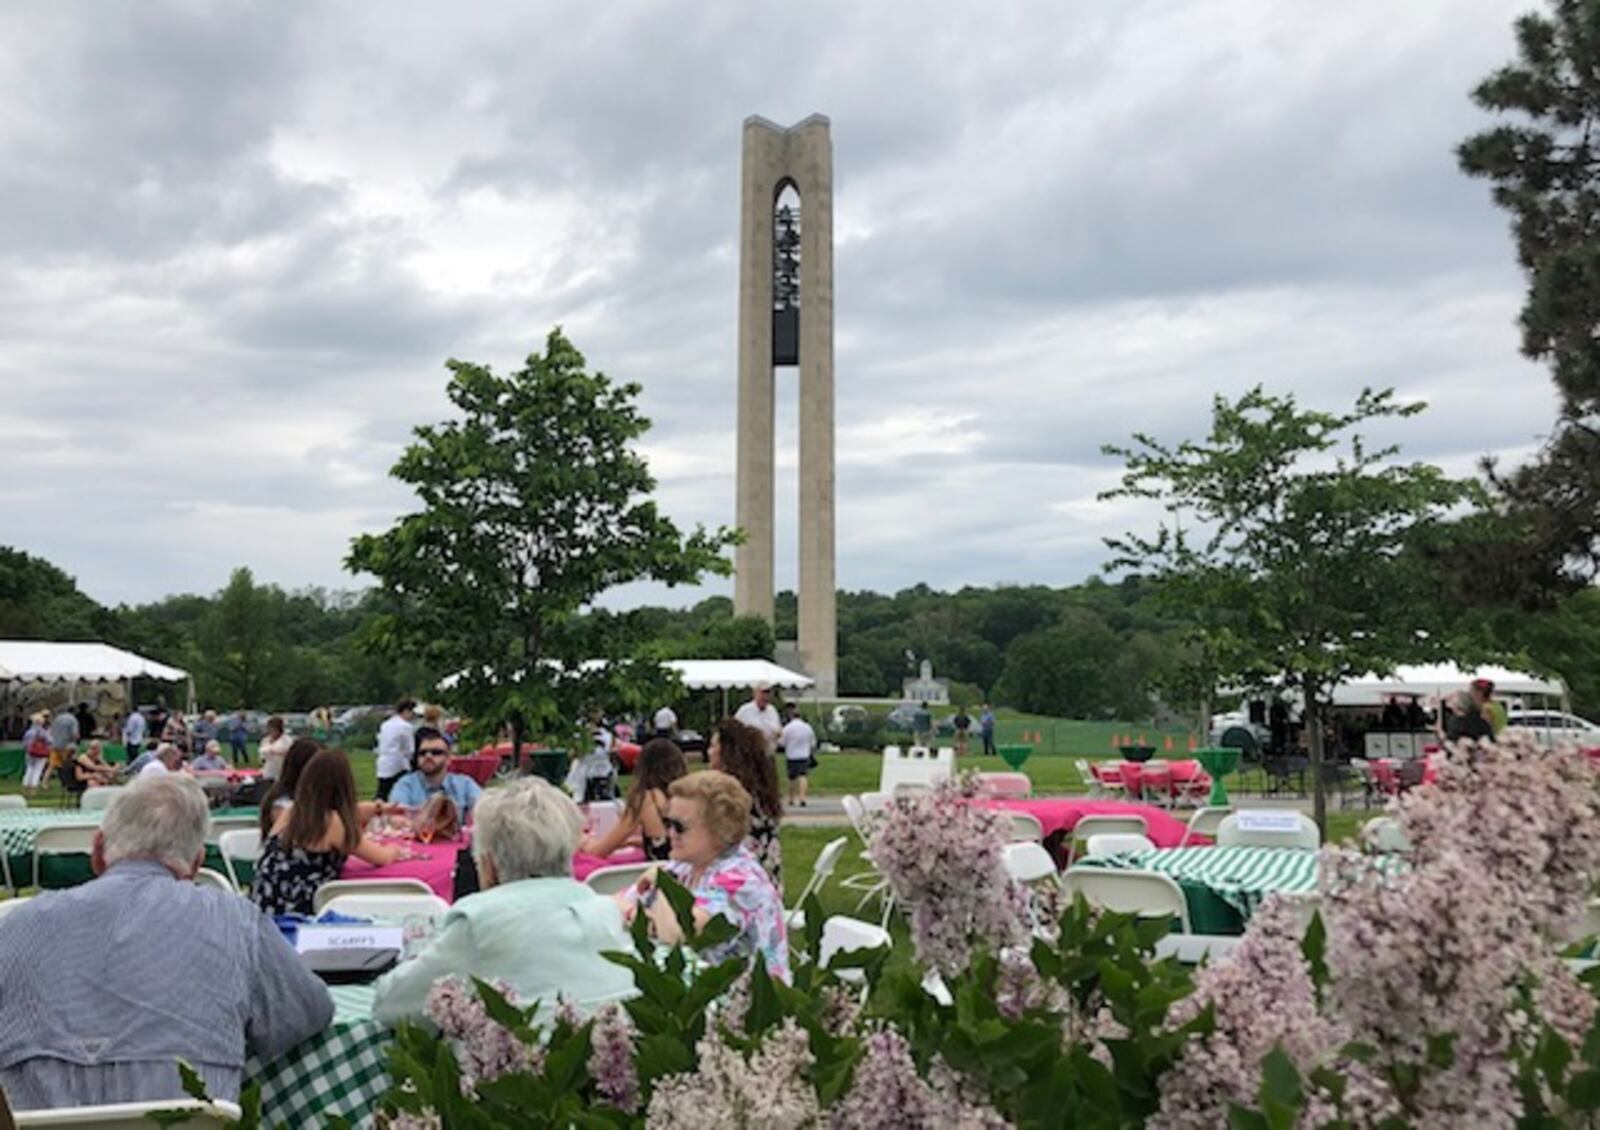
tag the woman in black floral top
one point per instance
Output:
(741, 752)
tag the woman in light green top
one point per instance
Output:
(532, 925)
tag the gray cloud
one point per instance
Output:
(237, 244)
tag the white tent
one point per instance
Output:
(734, 674)
(43, 661)
(1436, 679)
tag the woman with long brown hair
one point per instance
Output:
(311, 839)
(281, 794)
(741, 752)
(660, 763)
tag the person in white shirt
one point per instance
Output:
(167, 759)
(133, 728)
(799, 743)
(666, 722)
(396, 741)
(760, 715)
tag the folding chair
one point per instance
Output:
(1386, 835)
(1117, 843)
(336, 887)
(1205, 822)
(133, 1116)
(612, 880)
(1149, 894)
(1094, 825)
(841, 934)
(99, 797)
(1155, 783)
(223, 824)
(205, 877)
(1014, 785)
(69, 840)
(1025, 826)
(1029, 863)
(387, 905)
(1093, 786)
(870, 883)
(13, 802)
(1305, 835)
(827, 860)
(239, 843)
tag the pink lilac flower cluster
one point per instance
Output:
(611, 1066)
(771, 1089)
(1437, 945)
(428, 1120)
(942, 854)
(486, 1050)
(887, 1091)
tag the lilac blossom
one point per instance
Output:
(486, 1050)
(771, 1090)
(611, 1059)
(887, 1091)
(942, 854)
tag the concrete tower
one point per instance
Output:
(786, 319)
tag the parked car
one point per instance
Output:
(351, 717)
(902, 717)
(297, 724)
(848, 719)
(1554, 727)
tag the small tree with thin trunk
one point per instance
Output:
(534, 502)
(1287, 541)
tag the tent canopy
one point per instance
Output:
(732, 674)
(1440, 678)
(44, 661)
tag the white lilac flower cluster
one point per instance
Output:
(611, 1058)
(1434, 949)
(942, 854)
(887, 1090)
(771, 1089)
(486, 1050)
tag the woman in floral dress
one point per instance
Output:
(708, 820)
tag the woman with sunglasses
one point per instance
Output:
(708, 819)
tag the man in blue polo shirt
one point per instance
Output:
(432, 775)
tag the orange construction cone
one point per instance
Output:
(1169, 743)
(1116, 741)
(1193, 744)
(1142, 741)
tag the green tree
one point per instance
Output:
(1068, 671)
(40, 602)
(239, 644)
(1290, 523)
(533, 503)
(1541, 538)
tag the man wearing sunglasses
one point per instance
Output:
(432, 776)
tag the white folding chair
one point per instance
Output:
(132, 1116)
(1204, 822)
(874, 803)
(69, 840)
(1116, 843)
(870, 883)
(221, 825)
(1024, 826)
(1096, 825)
(611, 880)
(1192, 949)
(239, 843)
(10, 904)
(1304, 835)
(205, 877)
(382, 905)
(1386, 835)
(1012, 785)
(1149, 894)
(841, 934)
(12, 801)
(97, 798)
(337, 887)
(827, 860)
(1028, 863)
(1091, 780)
(912, 788)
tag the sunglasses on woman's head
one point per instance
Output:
(674, 825)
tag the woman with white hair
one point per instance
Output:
(531, 925)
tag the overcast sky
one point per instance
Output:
(237, 243)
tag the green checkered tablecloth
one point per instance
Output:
(19, 828)
(343, 1071)
(1224, 885)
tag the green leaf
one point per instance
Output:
(1584, 1091)
(1314, 947)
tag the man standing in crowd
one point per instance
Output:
(203, 732)
(922, 725)
(1492, 711)
(760, 715)
(200, 976)
(133, 733)
(666, 723)
(986, 729)
(64, 733)
(799, 742)
(238, 739)
(395, 743)
(86, 722)
(962, 723)
(433, 776)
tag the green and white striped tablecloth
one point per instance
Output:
(19, 826)
(1242, 877)
(343, 1071)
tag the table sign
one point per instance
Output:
(1267, 820)
(313, 938)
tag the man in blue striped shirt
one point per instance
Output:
(198, 974)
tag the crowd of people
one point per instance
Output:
(207, 977)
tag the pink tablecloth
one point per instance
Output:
(583, 864)
(480, 767)
(1059, 814)
(436, 867)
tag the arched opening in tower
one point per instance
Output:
(786, 275)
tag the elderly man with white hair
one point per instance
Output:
(531, 925)
(200, 974)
